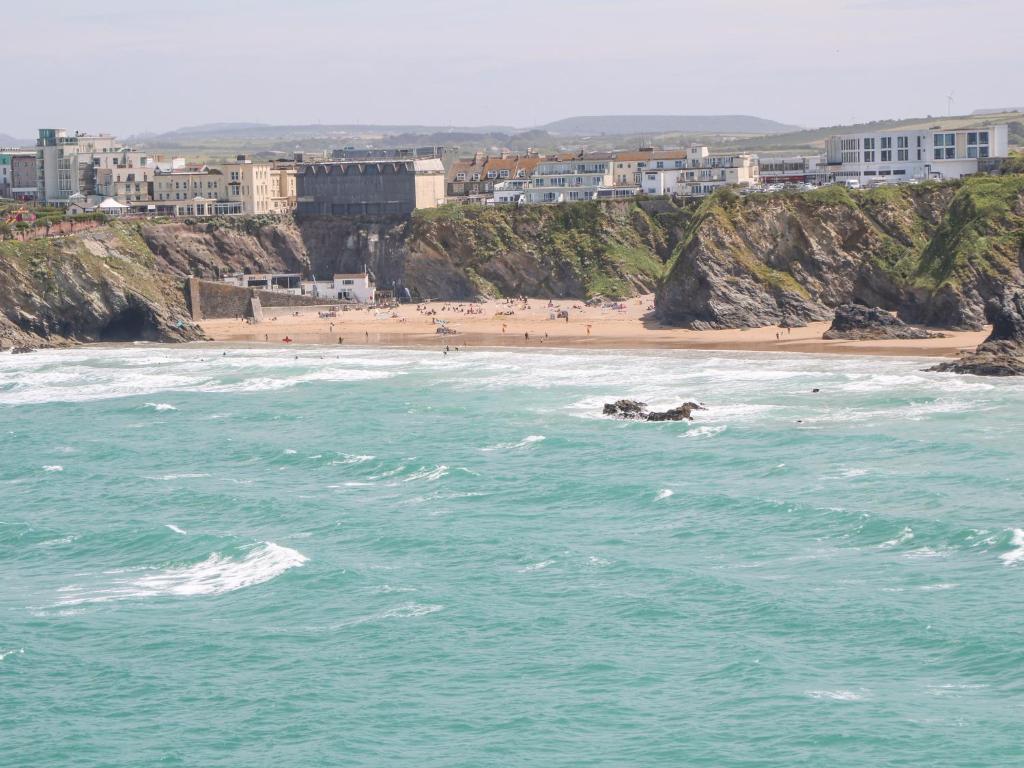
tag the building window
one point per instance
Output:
(903, 155)
(492, 175)
(869, 143)
(503, 173)
(887, 142)
(869, 154)
(886, 156)
(903, 142)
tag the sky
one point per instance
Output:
(153, 67)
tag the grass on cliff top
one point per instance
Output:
(983, 232)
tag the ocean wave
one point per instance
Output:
(160, 406)
(524, 443)
(836, 695)
(4, 653)
(424, 473)
(213, 576)
(53, 468)
(536, 566)
(176, 529)
(179, 476)
(1016, 554)
(907, 534)
(348, 458)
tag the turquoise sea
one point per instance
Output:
(218, 556)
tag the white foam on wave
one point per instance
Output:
(525, 442)
(410, 611)
(53, 468)
(907, 534)
(179, 476)
(11, 652)
(213, 576)
(836, 695)
(664, 493)
(1015, 555)
(160, 406)
(348, 458)
(536, 566)
(176, 529)
(705, 430)
(423, 473)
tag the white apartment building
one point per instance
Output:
(66, 165)
(511, 192)
(569, 179)
(900, 155)
(702, 175)
(629, 166)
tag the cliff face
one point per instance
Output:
(450, 253)
(934, 253)
(103, 285)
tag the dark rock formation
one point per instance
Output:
(634, 409)
(1002, 353)
(857, 322)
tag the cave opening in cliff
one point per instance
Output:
(130, 324)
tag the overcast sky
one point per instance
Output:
(155, 67)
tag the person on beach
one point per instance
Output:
(527, 335)
(588, 329)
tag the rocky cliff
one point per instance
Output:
(934, 253)
(104, 285)
(453, 252)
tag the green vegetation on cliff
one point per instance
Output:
(933, 251)
(583, 249)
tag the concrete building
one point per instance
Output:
(283, 282)
(23, 175)
(702, 174)
(571, 178)
(375, 188)
(901, 155)
(5, 174)
(18, 174)
(66, 164)
(792, 169)
(448, 155)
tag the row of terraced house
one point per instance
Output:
(530, 178)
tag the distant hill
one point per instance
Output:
(634, 124)
(7, 140)
(997, 111)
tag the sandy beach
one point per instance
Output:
(536, 323)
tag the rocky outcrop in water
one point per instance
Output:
(858, 323)
(634, 409)
(1002, 353)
